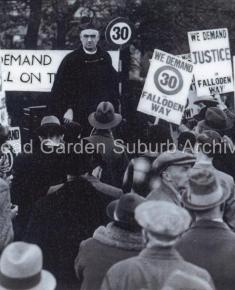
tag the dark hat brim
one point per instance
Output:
(206, 101)
(45, 128)
(98, 125)
(110, 209)
(195, 207)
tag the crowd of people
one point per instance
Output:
(83, 211)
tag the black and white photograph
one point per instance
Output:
(117, 145)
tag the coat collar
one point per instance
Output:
(203, 223)
(116, 237)
(163, 253)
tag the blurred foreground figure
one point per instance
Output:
(21, 268)
(162, 223)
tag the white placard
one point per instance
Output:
(166, 87)
(210, 54)
(34, 70)
(14, 139)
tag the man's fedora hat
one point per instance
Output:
(205, 191)
(104, 117)
(123, 210)
(21, 268)
(50, 123)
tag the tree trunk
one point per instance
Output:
(34, 23)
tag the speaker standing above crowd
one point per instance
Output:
(88, 213)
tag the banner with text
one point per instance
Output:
(166, 87)
(34, 70)
(210, 54)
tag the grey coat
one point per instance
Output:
(149, 270)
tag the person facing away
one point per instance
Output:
(162, 223)
(209, 243)
(119, 240)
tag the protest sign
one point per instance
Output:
(14, 139)
(210, 54)
(166, 87)
(34, 70)
(191, 109)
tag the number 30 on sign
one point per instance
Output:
(168, 80)
(119, 32)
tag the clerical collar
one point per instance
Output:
(90, 52)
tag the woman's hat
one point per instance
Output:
(123, 210)
(50, 124)
(104, 117)
(205, 192)
(21, 268)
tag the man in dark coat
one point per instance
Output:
(84, 79)
(162, 222)
(61, 220)
(34, 172)
(103, 120)
(119, 240)
(209, 243)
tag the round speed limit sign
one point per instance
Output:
(168, 80)
(119, 31)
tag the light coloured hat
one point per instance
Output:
(207, 100)
(48, 122)
(169, 158)
(163, 218)
(179, 280)
(205, 191)
(21, 268)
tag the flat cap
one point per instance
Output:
(171, 158)
(162, 218)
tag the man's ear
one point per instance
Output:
(166, 176)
